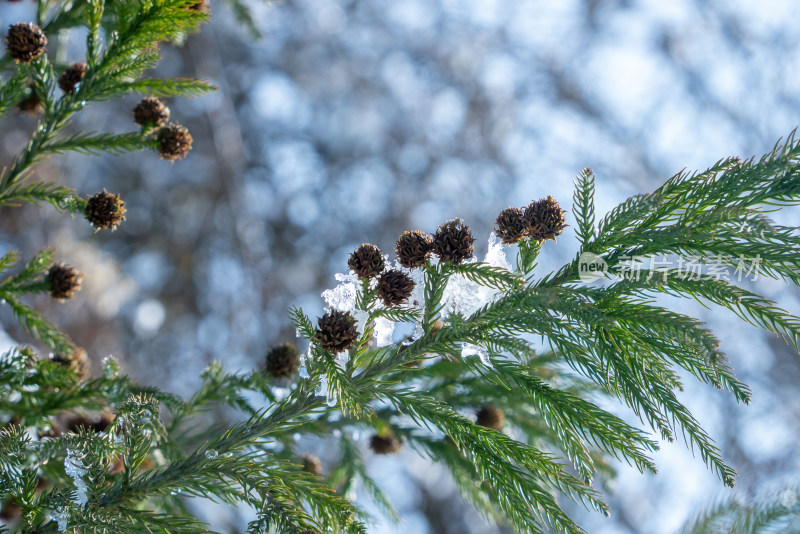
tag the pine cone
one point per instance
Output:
(10, 511)
(282, 360)
(151, 112)
(200, 5)
(64, 280)
(96, 422)
(386, 444)
(394, 287)
(32, 105)
(105, 210)
(336, 331)
(544, 219)
(25, 42)
(71, 77)
(490, 417)
(453, 242)
(78, 361)
(511, 225)
(311, 464)
(174, 142)
(366, 261)
(413, 249)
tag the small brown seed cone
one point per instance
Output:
(174, 142)
(366, 261)
(71, 77)
(336, 331)
(385, 444)
(311, 464)
(105, 210)
(78, 361)
(25, 42)
(490, 417)
(95, 422)
(453, 242)
(511, 225)
(65, 281)
(151, 112)
(31, 105)
(413, 248)
(282, 360)
(544, 219)
(395, 287)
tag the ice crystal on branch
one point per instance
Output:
(343, 296)
(468, 349)
(61, 517)
(383, 331)
(464, 295)
(73, 466)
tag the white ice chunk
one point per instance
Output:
(303, 370)
(462, 296)
(341, 297)
(361, 320)
(280, 393)
(73, 466)
(383, 331)
(496, 256)
(465, 297)
(322, 391)
(345, 277)
(468, 349)
(322, 388)
(417, 298)
(330, 400)
(342, 358)
(60, 515)
(418, 332)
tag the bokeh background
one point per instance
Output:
(352, 121)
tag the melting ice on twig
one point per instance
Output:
(60, 515)
(74, 468)
(383, 331)
(468, 349)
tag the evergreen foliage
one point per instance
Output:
(476, 325)
(769, 514)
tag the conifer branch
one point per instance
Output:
(473, 324)
(583, 207)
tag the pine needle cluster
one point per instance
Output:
(519, 428)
